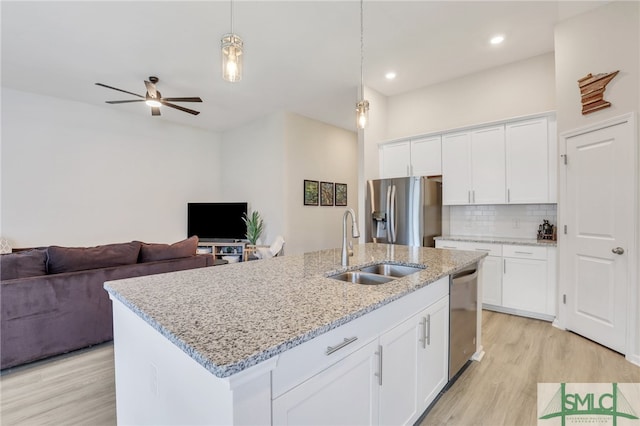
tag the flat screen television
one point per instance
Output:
(216, 221)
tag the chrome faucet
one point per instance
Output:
(355, 233)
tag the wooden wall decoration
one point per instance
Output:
(592, 91)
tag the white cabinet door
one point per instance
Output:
(395, 159)
(527, 162)
(491, 275)
(399, 381)
(487, 166)
(456, 169)
(345, 393)
(524, 284)
(426, 156)
(433, 352)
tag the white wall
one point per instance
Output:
(76, 174)
(521, 88)
(317, 151)
(253, 170)
(266, 162)
(603, 40)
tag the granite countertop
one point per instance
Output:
(231, 317)
(499, 240)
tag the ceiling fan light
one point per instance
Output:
(232, 50)
(362, 114)
(152, 103)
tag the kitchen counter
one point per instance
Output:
(229, 318)
(499, 240)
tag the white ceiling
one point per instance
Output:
(300, 56)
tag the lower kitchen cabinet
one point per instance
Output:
(525, 278)
(491, 276)
(415, 364)
(516, 279)
(433, 352)
(345, 393)
(390, 380)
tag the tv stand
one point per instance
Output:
(231, 251)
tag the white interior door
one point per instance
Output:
(599, 213)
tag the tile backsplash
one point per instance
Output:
(513, 220)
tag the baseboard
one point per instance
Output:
(519, 312)
(633, 359)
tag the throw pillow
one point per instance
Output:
(157, 252)
(71, 259)
(23, 264)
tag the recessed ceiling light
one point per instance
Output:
(497, 39)
(390, 75)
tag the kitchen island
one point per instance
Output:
(253, 343)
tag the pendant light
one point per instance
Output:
(232, 54)
(362, 107)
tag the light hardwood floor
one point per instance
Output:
(501, 390)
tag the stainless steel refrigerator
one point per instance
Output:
(404, 211)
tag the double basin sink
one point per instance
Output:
(376, 274)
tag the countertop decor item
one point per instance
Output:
(546, 231)
(255, 226)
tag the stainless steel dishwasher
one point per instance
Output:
(463, 309)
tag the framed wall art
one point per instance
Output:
(341, 194)
(310, 192)
(326, 193)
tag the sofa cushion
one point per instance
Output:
(70, 259)
(24, 264)
(157, 252)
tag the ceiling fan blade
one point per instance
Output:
(124, 102)
(151, 89)
(190, 111)
(155, 110)
(193, 99)
(119, 90)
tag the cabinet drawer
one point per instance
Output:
(525, 252)
(490, 248)
(304, 361)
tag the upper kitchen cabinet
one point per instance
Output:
(473, 167)
(426, 156)
(395, 159)
(527, 154)
(415, 157)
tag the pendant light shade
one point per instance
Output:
(362, 114)
(232, 54)
(231, 57)
(362, 107)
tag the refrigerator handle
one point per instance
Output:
(389, 217)
(392, 226)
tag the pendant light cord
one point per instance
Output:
(232, 17)
(361, 49)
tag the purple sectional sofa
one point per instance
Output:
(52, 299)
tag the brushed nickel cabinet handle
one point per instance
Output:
(423, 338)
(617, 250)
(429, 329)
(345, 342)
(379, 373)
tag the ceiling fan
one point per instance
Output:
(154, 99)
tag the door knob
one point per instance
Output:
(617, 250)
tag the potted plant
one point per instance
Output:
(255, 226)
